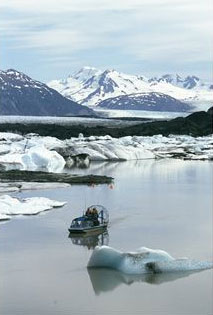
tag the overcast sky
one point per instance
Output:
(49, 39)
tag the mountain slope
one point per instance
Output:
(90, 86)
(189, 82)
(21, 95)
(151, 101)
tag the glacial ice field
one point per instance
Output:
(50, 154)
(115, 113)
(87, 122)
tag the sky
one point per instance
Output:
(50, 39)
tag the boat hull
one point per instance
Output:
(93, 229)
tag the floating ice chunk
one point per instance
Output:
(30, 152)
(4, 217)
(143, 261)
(35, 158)
(38, 185)
(10, 136)
(29, 206)
(19, 186)
(4, 149)
(39, 158)
(9, 187)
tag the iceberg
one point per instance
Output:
(40, 158)
(34, 159)
(143, 261)
(106, 148)
(10, 206)
(51, 154)
(9, 136)
(6, 187)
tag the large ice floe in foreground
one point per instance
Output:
(10, 206)
(143, 261)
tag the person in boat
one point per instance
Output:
(92, 214)
(95, 216)
(87, 212)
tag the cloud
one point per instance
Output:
(96, 5)
(150, 30)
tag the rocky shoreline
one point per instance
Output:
(44, 177)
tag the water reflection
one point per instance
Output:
(104, 280)
(90, 240)
(163, 169)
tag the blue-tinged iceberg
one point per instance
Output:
(143, 261)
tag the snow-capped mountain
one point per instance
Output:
(90, 86)
(21, 95)
(188, 82)
(151, 101)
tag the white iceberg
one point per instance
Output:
(10, 206)
(143, 261)
(45, 153)
(9, 136)
(34, 159)
(6, 187)
(39, 158)
(141, 147)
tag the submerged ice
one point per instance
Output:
(143, 261)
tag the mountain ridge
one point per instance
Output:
(22, 95)
(90, 86)
(152, 101)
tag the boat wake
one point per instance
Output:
(143, 261)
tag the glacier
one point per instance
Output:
(142, 261)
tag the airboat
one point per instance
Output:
(96, 218)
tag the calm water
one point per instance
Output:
(162, 204)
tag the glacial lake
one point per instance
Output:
(162, 204)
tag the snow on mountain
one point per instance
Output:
(21, 95)
(151, 101)
(189, 82)
(90, 86)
